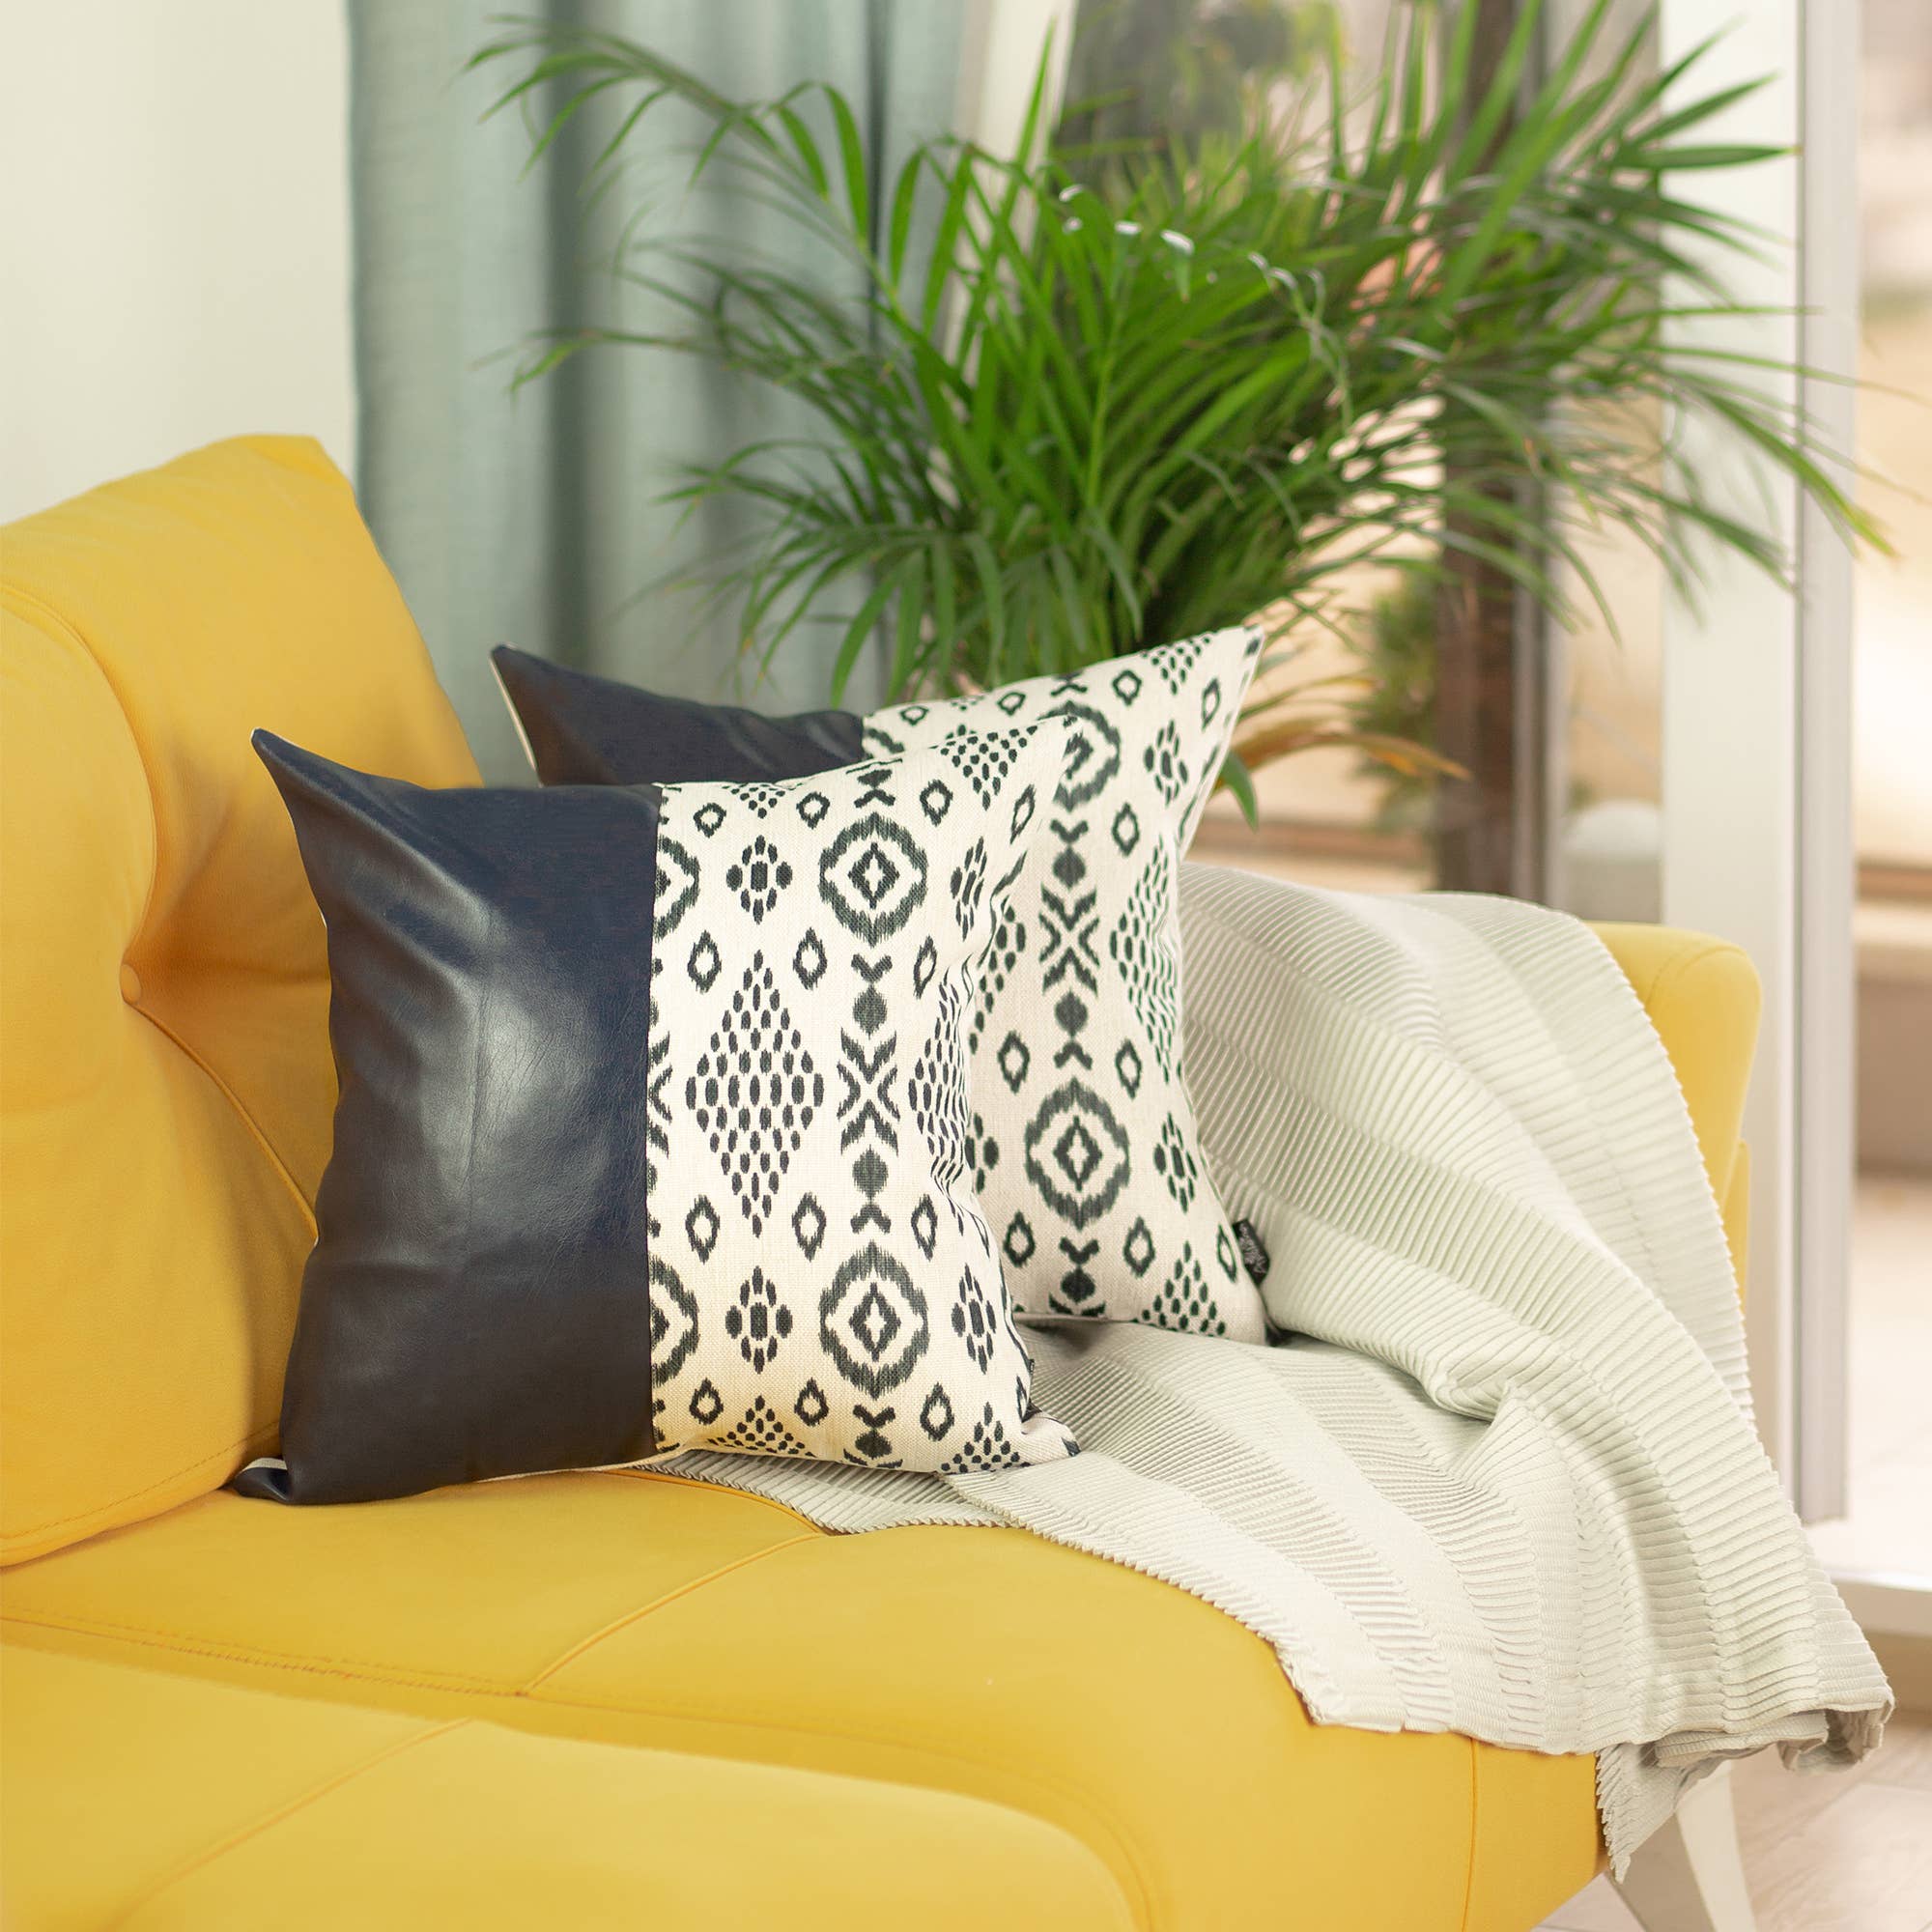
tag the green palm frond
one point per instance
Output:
(1062, 419)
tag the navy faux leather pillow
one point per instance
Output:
(653, 1128)
(580, 729)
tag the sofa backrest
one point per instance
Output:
(165, 1080)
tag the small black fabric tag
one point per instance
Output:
(1255, 1257)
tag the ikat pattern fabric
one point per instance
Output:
(822, 1280)
(1083, 1141)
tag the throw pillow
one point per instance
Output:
(580, 729)
(653, 1129)
(1086, 1154)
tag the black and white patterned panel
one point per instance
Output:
(823, 1282)
(1082, 1139)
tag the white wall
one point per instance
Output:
(174, 233)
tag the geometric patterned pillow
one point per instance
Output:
(827, 1282)
(653, 1128)
(1087, 1158)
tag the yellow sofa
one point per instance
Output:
(599, 1700)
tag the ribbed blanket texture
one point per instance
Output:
(1499, 1475)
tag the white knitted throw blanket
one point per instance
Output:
(1500, 1476)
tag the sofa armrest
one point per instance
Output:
(1703, 998)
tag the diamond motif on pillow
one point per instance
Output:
(982, 758)
(759, 797)
(975, 1320)
(1165, 764)
(1025, 804)
(1014, 1060)
(987, 1448)
(872, 1320)
(936, 1417)
(1176, 662)
(967, 883)
(1084, 988)
(1076, 1153)
(873, 877)
(823, 1076)
(807, 1227)
(761, 1432)
(808, 962)
(758, 1321)
(925, 1224)
(704, 963)
(754, 1091)
(1018, 1244)
(700, 1228)
(758, 877)
(1185, 1300)
(1174, 1162)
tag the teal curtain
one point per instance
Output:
(532, 516)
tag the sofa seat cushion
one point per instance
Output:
(647, 1610)
(233, 1807)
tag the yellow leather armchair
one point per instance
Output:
(608, 1698)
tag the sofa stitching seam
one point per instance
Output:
(636, 1475)
(246, 1117)
(583, 1646)
(511, 1692)
(1686, 961)
(258, 1827)
(1101, 1815)
(46, 610)
(356, 1669)
(164, 1639)
(1469, 1872)
(263, 1432)
(40, 607)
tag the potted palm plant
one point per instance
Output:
(1073, 410)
